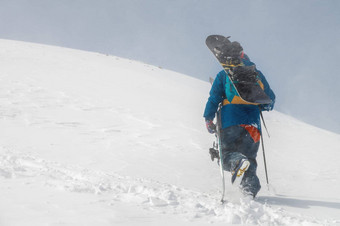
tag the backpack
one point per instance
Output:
(244, 76)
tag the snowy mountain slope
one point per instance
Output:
(92, 139)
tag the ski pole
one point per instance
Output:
(262, 144)
(264, 124)
(264, 159)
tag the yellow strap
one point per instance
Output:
(261, 84)
(231, 65)
(225, 102)
(238, 100)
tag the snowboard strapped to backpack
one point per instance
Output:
(244, 82)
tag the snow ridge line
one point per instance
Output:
(150, 194)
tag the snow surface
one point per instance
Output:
(91, 139)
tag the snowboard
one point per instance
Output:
(243, 78)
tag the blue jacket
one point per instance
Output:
(236, 114)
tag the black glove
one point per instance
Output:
(266, 107)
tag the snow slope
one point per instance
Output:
(90, 139)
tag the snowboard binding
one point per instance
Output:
(214, 155)
(228, 52)
(244, 74)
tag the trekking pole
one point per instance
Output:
(264, 160)
(264, 155)
(264, 124)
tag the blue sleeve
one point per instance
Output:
(217, 94)
(268, 91)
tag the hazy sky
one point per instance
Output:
(295, 43)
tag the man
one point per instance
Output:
(240, 123)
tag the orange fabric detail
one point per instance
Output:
(253, 132)
(237, 100)
(225, 102)
(261, 84)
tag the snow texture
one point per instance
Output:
(91, 139)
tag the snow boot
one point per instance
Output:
(240, 169)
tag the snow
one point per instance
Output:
(91, 139)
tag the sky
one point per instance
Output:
(294, 43)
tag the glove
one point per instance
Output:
(266, 107)
(211, 127)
